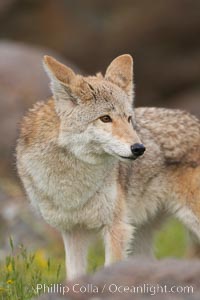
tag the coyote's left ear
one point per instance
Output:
(120, 72)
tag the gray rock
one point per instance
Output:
(150, 275)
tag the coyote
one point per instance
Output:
(82, 160)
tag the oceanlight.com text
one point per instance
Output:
(113, 288)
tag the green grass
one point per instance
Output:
(96, 256)
(171, 241)
(22, 270)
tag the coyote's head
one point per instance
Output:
(96, 112)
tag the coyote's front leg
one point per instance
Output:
(76, 243)
(117, 239)
(118, 235)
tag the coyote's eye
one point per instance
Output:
(105, 119)
(129, 119)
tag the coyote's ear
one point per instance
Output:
(61, 80)
(120, 72)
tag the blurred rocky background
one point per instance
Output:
(163, 37)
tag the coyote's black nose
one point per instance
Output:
(137, 149)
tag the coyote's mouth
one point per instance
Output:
(129, 157)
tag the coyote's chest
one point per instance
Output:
(68, 194)
(67, 185)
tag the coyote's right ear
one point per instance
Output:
(61, 78)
